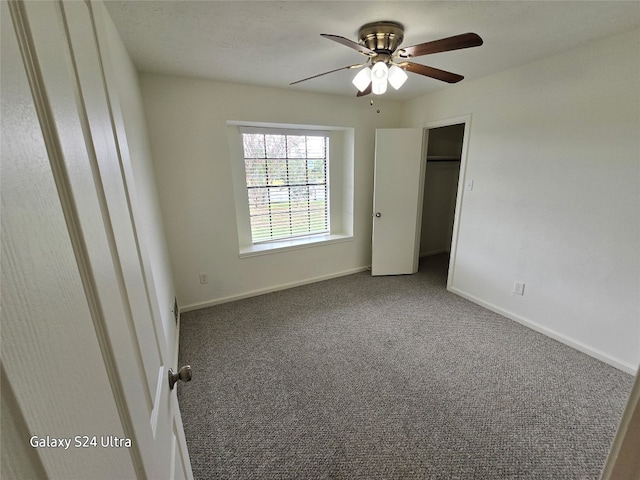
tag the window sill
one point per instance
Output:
(293, 244)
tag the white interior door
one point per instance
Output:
(67, 60)
(54, 380)
(397, 200)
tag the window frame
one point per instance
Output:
(340, 187)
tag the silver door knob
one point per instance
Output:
(183, 374)
(377, 215)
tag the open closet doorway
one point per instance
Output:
(445, 154)
(399, 196)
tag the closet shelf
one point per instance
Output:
(442, 158)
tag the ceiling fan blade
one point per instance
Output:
(345, 41)
(367, 91)
(431, 72)
(348, 67)
(457, 42)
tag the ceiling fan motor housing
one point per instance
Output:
(383, 37)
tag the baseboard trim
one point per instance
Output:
(608, 359)
(284, 286)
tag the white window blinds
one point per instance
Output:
(286, 173)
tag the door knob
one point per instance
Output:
(377, 215)
(183, 374)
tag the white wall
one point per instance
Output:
(187, 121)
(554, 154)
(142, 184)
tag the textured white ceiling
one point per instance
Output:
(274, 43)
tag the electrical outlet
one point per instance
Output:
(518, 288)
(204, 278)
(469, 185)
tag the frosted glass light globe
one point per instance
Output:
(379, 74)
(397, 77)
(362, 79)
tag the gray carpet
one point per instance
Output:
(366, 377)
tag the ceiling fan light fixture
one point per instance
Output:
(379, 75)
(397, 76)
(380, 43)
(362, 79)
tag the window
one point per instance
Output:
(287, 188)
(293, 185)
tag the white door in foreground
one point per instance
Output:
(84, 351)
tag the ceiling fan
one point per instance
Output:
(380, 41)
